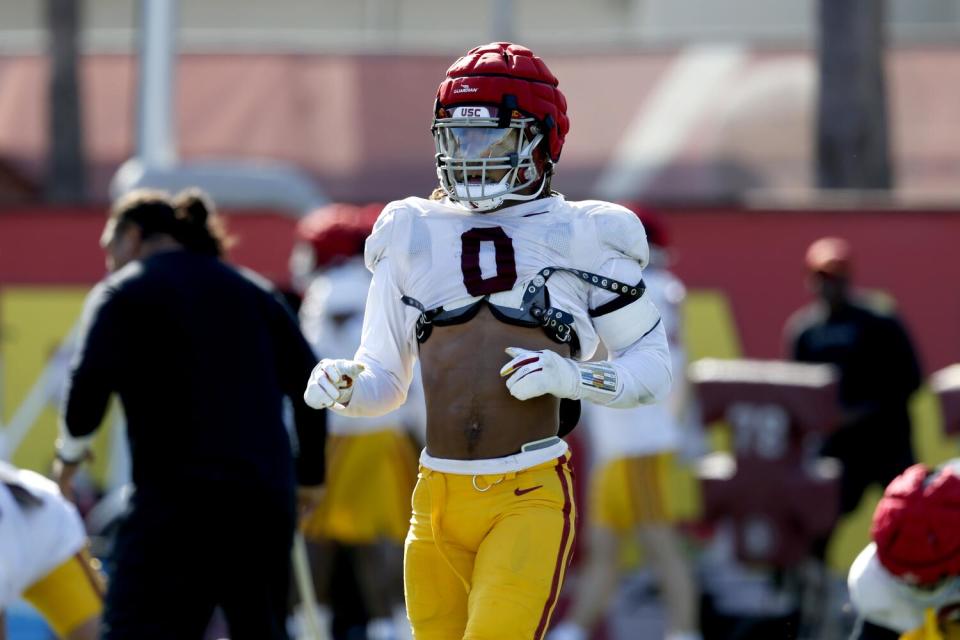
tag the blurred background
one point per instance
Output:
(752, 127)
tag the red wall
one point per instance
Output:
(61, 245)
(755, 257)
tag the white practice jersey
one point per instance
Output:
(650, 428)
(441, 255)
(881, 599)
(331, 318)
(37, 537)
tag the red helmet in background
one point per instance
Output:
(653, 224)
(337, 231)
(499, 125)
(330, 235)
(916, 525)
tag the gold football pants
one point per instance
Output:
(486, 555)
(643, 490)
(69, 595)
(369, 480)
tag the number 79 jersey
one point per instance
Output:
(444, 257)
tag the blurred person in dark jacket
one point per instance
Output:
(877, 365)
(201, 356)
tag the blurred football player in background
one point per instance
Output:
(201, 356)
(371, 462)
(44, 557)
(878, 372)
(459, 280)
(906, 583)
(635, 479)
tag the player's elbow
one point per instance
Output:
(647, 369)
(647, 380)
(657, 370)
(660, 380)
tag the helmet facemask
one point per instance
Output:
(483, 160)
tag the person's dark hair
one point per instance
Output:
(189, 218)
(201, 229)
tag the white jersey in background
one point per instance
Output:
(331, 318)
(883, 600)
(652, 428)
(39, 530)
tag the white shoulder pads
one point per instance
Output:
(622, 327)
(621, 230)
(375, 247)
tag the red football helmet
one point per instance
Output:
(658, 236)
(916, 525)
(499, 125)
(329, 235)
(653, 224)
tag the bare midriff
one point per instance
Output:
(470, 413)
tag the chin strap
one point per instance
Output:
(527, 197)
(494, 202)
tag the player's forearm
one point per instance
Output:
(376, 391)
(643, 370)
(638, 370)
(638, 373)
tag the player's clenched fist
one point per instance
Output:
(331, 382)
(536, 373)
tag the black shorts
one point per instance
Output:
(176, 560)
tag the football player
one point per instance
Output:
(371, 462)
(44, 557)
(906, 583)
(637, 484)
(496, 263)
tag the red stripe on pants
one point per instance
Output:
(562, 558)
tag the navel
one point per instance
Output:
(473, 428)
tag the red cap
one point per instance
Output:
(830, 256)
